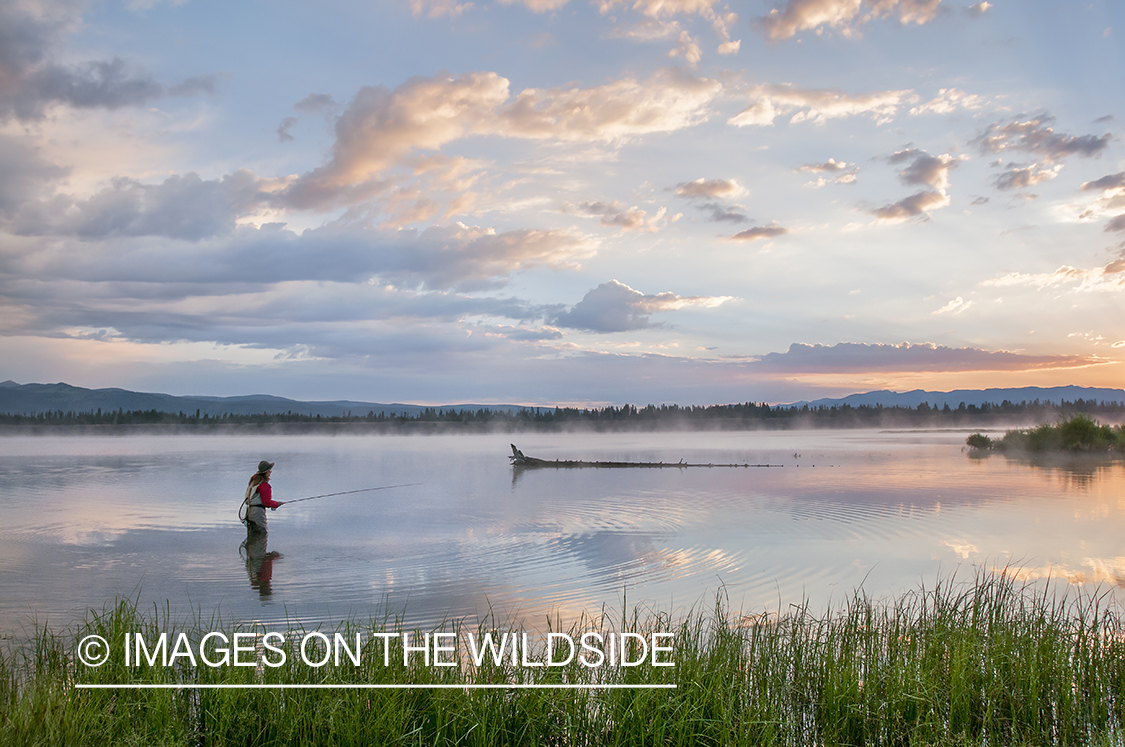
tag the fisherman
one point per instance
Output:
(259, 497)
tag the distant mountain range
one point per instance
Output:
(978, 397)
(30, 399)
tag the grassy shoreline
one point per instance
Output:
(987, 662)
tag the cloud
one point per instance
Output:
(1110, 182)
(615, 307)
(956, 306)
(26, 175)
(920, 203)
(440, 8)
(710, 188)
(31, 81)
(457, 257)
(948, 101)
(1110, 278)
(843, 15)
(182, 207)
(656, 10)
(924, 169)
(1017, 177)
(816, 105)
(196, 85)
(616, 215)
(979, 9)
(706, 194)
(830, 166)
(687, 49)
(380, 127)
(1116, 224)
(316, 103)
(909, 357)
(760, 232)
(1035, 135)
(721, 213)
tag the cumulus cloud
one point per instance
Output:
(760, 232)
(616, 215)
(1116, 224)
(909, 357)
(1035, 135)
(380, 127)
(948, 101)
(1110, 278)
(660, 10)
(26, 175)
(1106, 183)
(615, 307)
(31, 80)
(687, 49)
(440, 8)
(314, 103)
(706, 194)
(956, 306)
(182, 207)
(924, 169)
(710, 188)
(830, 166)
(721, 213)
(920, 203)
(537, 6)
(1019, 177)
(817, 105)
(842, 15)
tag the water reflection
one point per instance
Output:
(1073, 471)
(894, 509)
(259, 561)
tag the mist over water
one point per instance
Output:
(87, 519)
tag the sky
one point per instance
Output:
(562, 201)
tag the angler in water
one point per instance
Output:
(259, 497)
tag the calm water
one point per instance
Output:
(86, 519)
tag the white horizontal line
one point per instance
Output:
(364, 686)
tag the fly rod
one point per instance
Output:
(349, 492)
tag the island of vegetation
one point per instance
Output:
(1075, 434)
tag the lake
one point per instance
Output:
(87, 519)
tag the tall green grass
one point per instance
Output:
(991, 662)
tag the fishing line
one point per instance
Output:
(349, 492)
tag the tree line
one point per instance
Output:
(744, 416)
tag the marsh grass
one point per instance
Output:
(989, 662)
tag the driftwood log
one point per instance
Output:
(519, 460)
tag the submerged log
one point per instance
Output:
(519, 460)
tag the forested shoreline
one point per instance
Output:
(745, 416)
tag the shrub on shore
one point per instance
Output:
(1076, 434)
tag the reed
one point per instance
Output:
(988, 662)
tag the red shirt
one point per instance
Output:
(265, 492)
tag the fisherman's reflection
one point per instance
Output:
(259, 562)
